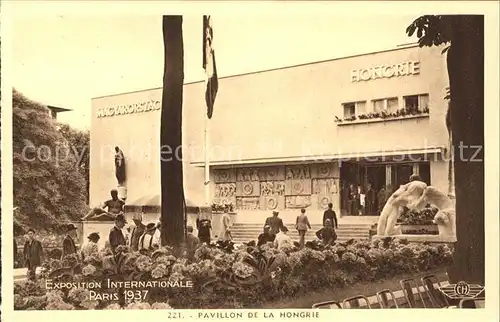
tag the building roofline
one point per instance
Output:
(398, 47)
(58, 109)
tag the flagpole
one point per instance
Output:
(207, 156)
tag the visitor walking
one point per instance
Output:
(116, 237)
(68, 244)
(33, 254)
(137, 231)
(226, 227)
(192, 242)
(360, 200)
(266, 237)
(147, 240)
(353, 200)
(381, 198)
(330, 214)
(204, 226)
(91, 246)
(370, 201)
(282, 238)
(275, 222)
(302, 224)
(327, 234)
(157, 234)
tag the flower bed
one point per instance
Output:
(222, 278)
(403, 112)
(424, 217)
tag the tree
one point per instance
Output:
(465, 62)
(172, 188)
(78, 143)
(47, 189)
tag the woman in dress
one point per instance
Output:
(91, 246)
(204, 226)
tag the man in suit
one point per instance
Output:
(137, 232)
(370, 200)
(33, 254)
(192, 242)
(147, 240)
(330, 214)
(275, 222)
(116, 237)
(266, 237)
(68, 245)
(302, 224)
(226, 228)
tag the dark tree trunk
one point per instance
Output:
(466, 72)
(172, 188)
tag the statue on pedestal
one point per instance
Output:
(119, 166)
(445, 218)
(416, 195)
(405, 195)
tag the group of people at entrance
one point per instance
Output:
(364, 201)
(276, 232)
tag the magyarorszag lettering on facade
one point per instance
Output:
(385, 71)
(129, 109)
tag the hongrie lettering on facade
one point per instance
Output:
(147, 106)
(385, 71)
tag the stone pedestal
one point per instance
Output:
(420, 238)
(122, 192)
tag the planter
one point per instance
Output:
(420, 229)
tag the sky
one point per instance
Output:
(65, 60)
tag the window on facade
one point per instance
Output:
(354, 109)
(360, 108)
(349, 110)
(388, 105)
(392, 104)
(416, 102)
(378, 106)
(424, 170)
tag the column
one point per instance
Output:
(416, 169)
(388, 175)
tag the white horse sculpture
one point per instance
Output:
(415, 196)
(410, 193)
(445, 218)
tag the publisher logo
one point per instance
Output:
(462, 290)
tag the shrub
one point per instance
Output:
(423, 217)
(224, 277)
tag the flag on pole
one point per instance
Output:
(209, 65)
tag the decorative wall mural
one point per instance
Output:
(272, 173)
(294, 202)
(225, 190)
(298, 187)
(248, 189)
(324, 170)
(247, 174)
(247, 203)
(224, 175)
(298, 172)
(268, 188)
(278, 187)
(323, 201)
(325, 186)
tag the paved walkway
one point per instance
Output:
(20, 274)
